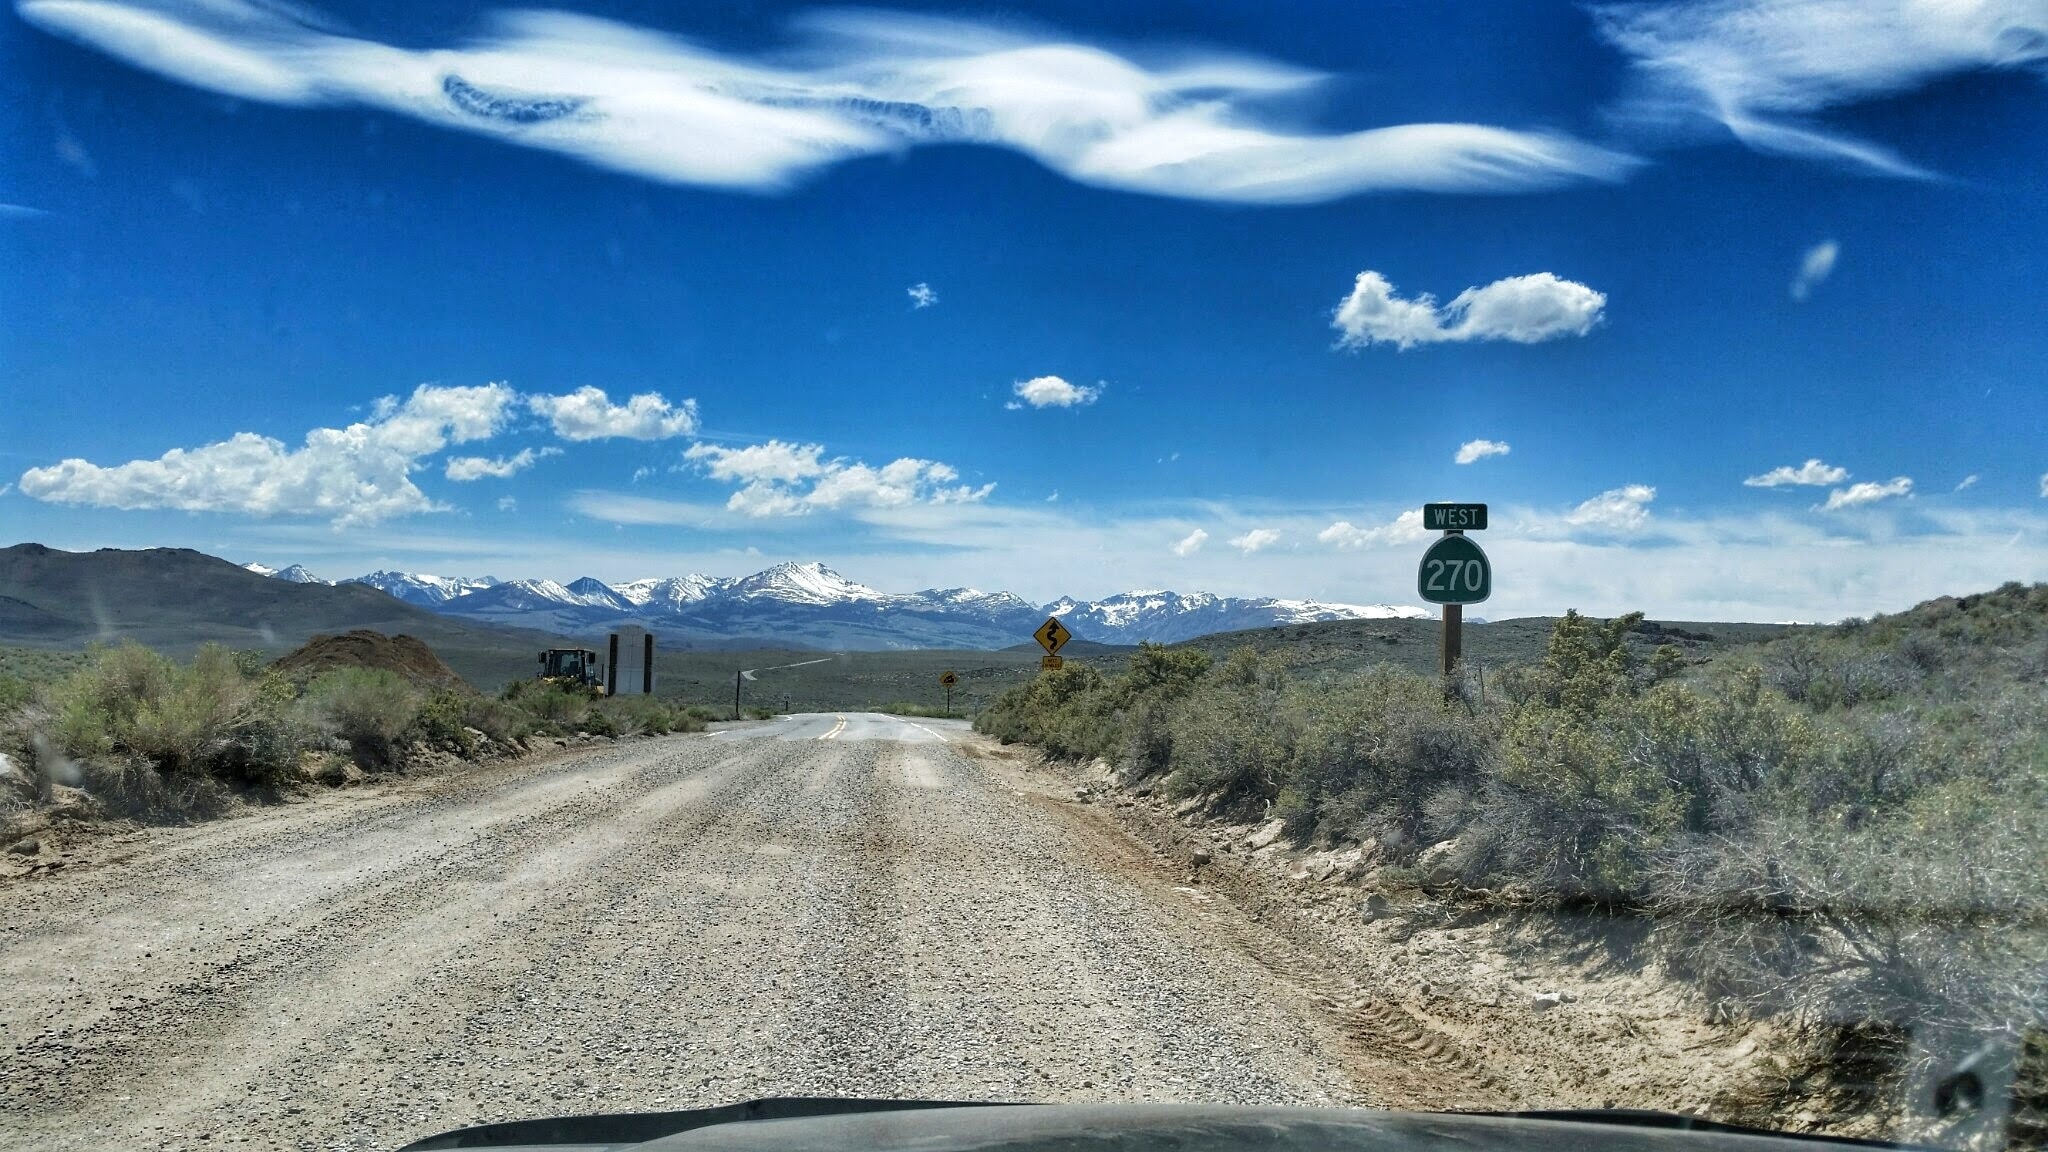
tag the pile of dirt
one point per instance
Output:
(362, 648)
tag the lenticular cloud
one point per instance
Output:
(664, 108)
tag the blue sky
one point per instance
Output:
(1096, 298)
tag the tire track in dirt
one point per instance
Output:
(1402, 1060)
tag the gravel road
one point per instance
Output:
(820, 905)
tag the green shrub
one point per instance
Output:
(649, 715)
(502, 722)
(208, 716)
(1844, 825)
(15, 693)
(370, 708)
(555, 707)
(1373, 752)
(442, 721)
(135, 789)
(1232, 740)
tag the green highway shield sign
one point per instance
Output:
(1454, 571)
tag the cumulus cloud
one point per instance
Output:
(1052, 392)
(1623, 509)
(1766, 70)
(1813, 474)
(1814, 267)
(1345, 534)
(1524, 309)
(1189, 123)
(1473, 451)
(1868, 492)
(1406, 528)
(464, 468)
(360, 474)
(781, 479)
(589, 414)
(1191, 543)
(922, 295)
(1256, 540)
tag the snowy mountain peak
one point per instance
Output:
(295, 574)
(812, 604)
(423, 588)
(670, 592)
(811, 583)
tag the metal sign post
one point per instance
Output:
(1454, 573)
(742, 674)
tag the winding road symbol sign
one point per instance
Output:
(948, 679)
(1052, 635)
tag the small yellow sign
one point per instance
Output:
(1052, 635)
(948, 679)
(1051, 663)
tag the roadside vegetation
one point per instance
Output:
(1844, 829)
(146, 736)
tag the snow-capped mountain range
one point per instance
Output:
(810, 605)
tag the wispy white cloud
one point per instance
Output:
(1053, 392)
(1256, 540)
(783, 479)
(922, 295)
(589, 414)
(465, 468)
(507, 504)
(1191, 543)
(21, 212)
(1473, 451)
(1814, 267)
(1524, 309)
(1623, 509)
(1868, 492)
(1813, 473)
(1191, 123)
(360, 474)
(1766, 70)
(2044, 485)
(1969, 481)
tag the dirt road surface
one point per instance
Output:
(819, 905)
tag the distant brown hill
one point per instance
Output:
(175, 599)
(362, 648)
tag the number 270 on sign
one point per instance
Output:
(1454, 575)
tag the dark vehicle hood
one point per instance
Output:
(793, 1124)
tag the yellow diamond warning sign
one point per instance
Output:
(1052, 635)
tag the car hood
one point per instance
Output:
(793, 1124)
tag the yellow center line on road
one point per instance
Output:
(837, 729)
